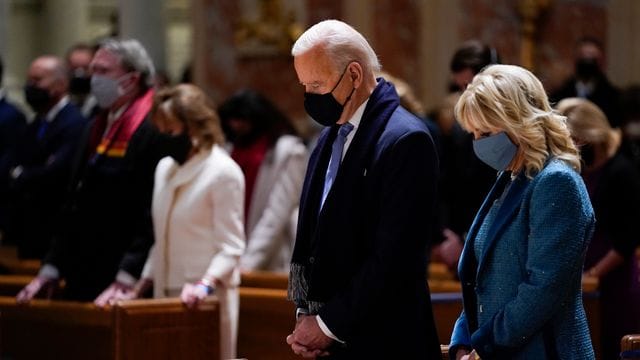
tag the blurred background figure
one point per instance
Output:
(12, 126)
(199, 190)
(273, 159)
(471, 57)
(78, 59)
(589, 80)
(38, 179)
(630, 123)
(614, 188)
(464, 179)
(106, 230)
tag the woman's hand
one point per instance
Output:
(193, 294)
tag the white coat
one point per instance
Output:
(273, 212)
(198, 211)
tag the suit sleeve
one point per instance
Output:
(407, 185)
(460, 337)
(59, 161)
(560, 225)
(148, 151)
(227, 196)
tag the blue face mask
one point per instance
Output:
(496, 150)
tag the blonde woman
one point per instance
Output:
(197, 208)
(614, 188)
(521, 265)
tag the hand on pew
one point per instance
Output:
(142, 286)
(40, 286)
(116, 291)
(193, 294)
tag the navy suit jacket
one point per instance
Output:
(523, 297)
(39, 191)
(365, 254)
(46, 161)
(12, 127)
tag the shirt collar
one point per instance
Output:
(114, 115)
(357, 116)
(56, 109)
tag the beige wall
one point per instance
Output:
(35, 27)
(623, 41)
(414, 38)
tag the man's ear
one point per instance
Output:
(356, 73)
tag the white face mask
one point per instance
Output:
(106, 90)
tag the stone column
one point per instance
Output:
(438, 39)
(623, 42)
(4, 28)
(64, 24)
(144, 20)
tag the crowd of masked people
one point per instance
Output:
(124, 188)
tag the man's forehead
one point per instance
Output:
(41, 67)
(105, 57)
(313, 66)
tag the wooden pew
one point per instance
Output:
(10, 285)
(630, 347)
(266, 318)
(442, 280)
(264, 279)
(591, 302)
(11, 264)
(136, 329)
(446, 300)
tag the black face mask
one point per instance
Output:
(324, 108)
(38, 98)
(80, 85)
(588, 155)
(587, 69)
(178, 147)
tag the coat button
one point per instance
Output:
(312, 260)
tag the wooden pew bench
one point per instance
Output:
(11, 264)
(275, 280)
(630, 347)
(266, 318)
(136, 329)
(10, 285)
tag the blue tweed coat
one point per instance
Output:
(523, 298)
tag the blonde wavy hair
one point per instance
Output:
(589, 124)
(510, 98)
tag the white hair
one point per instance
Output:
(133, 57)
(341, 42)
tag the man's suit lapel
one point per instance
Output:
(55, 125)
(314, 180)
(375, 117)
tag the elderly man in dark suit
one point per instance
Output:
(43, 160)
(106, 230)
(358, 272)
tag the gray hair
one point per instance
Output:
(133, 57)
(342, 43)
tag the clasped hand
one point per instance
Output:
(307, 339)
